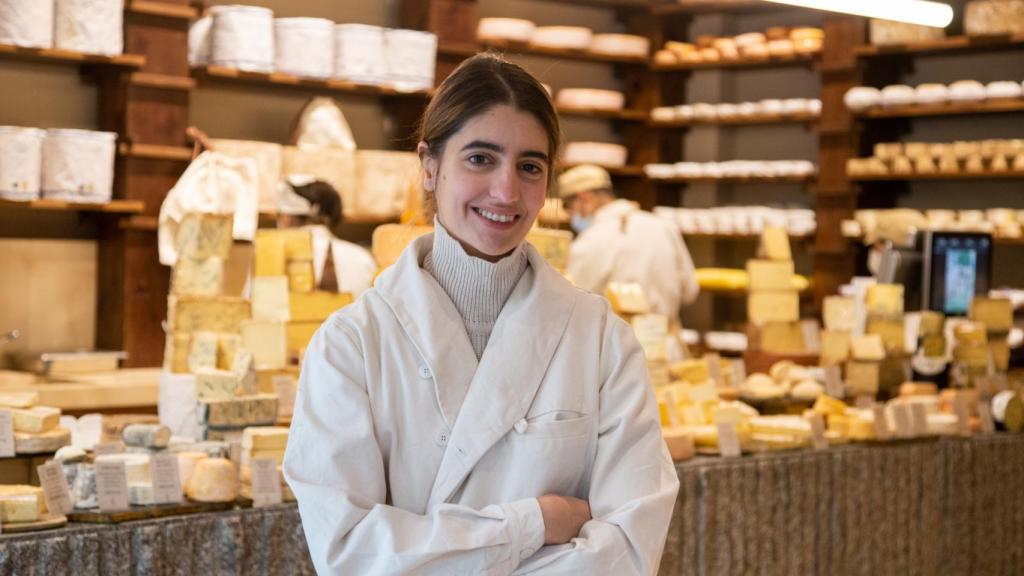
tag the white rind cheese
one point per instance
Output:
(590, 98)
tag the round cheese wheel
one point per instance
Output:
(620, 45)
(186, 465)
(569, 37)
(600, 153)
(213, 480)
(750, 38)
(862, 97)
(590, 98)
(966, 91)
(1003, 89)
(898, 95)
(932, 93)
(513, 29)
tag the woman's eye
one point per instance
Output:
(530, 168)
(478, 159)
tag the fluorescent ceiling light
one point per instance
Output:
(920, 12)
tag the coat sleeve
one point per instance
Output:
(633, 486)
(336, 469)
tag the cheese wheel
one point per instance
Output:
(186, 465)
(620, 45)
(512, 29)
(966, 91)
(750, 38)
(781, 48)
(600, 153)
(931, 93)
(680, 48)
(898, 95)
(1003, 89)
(568, 37)
(862, 97)
(213, 480)
(665, 57)
(590, 98)
(755, 51)
(798, 34)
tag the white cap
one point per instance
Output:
(288, 202)
(583, 177)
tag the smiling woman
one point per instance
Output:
(473, 412)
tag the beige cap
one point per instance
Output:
(583, 177)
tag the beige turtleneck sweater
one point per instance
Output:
(478, 288)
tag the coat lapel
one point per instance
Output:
(513, 365)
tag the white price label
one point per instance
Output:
(108, 448)
(166, 481)
(55, 487)
(111, 486)
(714, 362)
(284, 387)
(728, 441)
(266, 482)
(919, 416)
(988, 424)
(834, 382)
(881, 424)
(818, 439)
(6, 434)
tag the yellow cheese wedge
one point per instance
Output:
(868, 348)
(884, 299)
(626, 298)
(995, 313)
(18, 399)
(35, 420)
(270, 254)
(21, 503)
(770, 275)
(763, 307)
(775, 244)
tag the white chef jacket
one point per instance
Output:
(626, 244)
(407, 456)
(354, 266)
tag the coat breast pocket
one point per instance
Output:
(551, 452)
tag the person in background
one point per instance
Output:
(305, 201)
(618, 242)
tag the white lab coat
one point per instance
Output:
(626, 244)
(407, 457)
(354, 266)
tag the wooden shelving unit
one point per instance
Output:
(773, 62)
(288, 81)
(949, 45)
(620, 171)
(1001, 106)
(1008, 175)
(746, 121)
(57, 56)
(112, 207)
(582, 55)
(155, 152)
(737, 180)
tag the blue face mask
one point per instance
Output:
(579, 223)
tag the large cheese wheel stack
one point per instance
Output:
(259, 443)
(37, 429)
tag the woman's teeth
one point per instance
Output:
(495, 217)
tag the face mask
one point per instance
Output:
(579, 223)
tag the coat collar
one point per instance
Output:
(501, 389)
(615, 209)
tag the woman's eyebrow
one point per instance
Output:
(494, 147)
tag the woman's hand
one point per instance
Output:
(564, 517)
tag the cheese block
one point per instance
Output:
(21, 503)
(202, 351)
(770, 275)
(567, 37)
(763, 307)
(620, 45)
(316, 306)
(216, 384)
(140, 494)
(389, 240)
(680, 442)
(49, 441)
(249, 455)
(265, 438)
(203, 236)
(298, 242)
(782, 337)
(590, 99)
(995, 313)
(835, 347)
(70, 454)
(867, 347)
(177, 347)
(35, 420)
(931, 323)
(18, 399)
(600, 153)
(83, 487)
(827, 406)
(775, 244)
(201, 277)
(136, 466)
(146, 435)
(186, 464)
(268, 343)
(271, 256)
(999, 348)
(512, 29)
(933, 346)
(262, 409)
(793, 426)
(626, 298)
(863, 378)
(270, 301)
(238, 412)
(884, 299)
(207, 313)
(694, 370)
(299, 334)
(807, 391)
(244, 368)
(114, 424)
(300, 276)
(892, 330)
(213, 480)
(228, 346)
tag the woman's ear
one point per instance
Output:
(429, 164)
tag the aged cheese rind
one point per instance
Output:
(146, 435)
(21, 503)
(49, 441)
(207, 313)
(213, 480)
(202, 351)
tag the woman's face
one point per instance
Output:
(490, 181)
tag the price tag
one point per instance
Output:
(111, 486)
(920, 418)
(266, 482)
(55, 487)
(108, 448)
(988, 424)
(714, 362)
(881, 424)
(284, 387)
(728, 441)
(166, 480)
(818, 440)
(902, 419)
(962, 409)
(6, 434)
(834, 382)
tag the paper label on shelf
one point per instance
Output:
(988, 424)
(834, 382)
(55, 487)
(166, 481)
(284, 387)
(108, 448)
(902, 419)
(818, 439)
(111, 486)
(728, 441)
(962, 409)
(266, 482)
(714, 362)
(919, 416)
(6, 434)
(881, 425)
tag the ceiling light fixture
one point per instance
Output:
(936, 14)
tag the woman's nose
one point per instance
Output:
(505, 186)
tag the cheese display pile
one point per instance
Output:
(739, 220)
(862, 98)
(37, 428)
(777, 42)
(731, 169)
(871, 224)
(258, 443)
(498, 30)
(703, 112)
(921, 158)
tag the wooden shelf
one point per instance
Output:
(112, 207)
(162, 9)
(142, 223)
(948, 45)
(737, 180)
(57, 56)
(621, 171)
(626, 115)
(947, 109)
(153, 152)
(748, 121)
(774, 62)
(528, 49)
(163, 81)
(716, 6)
(998, 241)
(1008, 175)
(610, 4)
(274, 79)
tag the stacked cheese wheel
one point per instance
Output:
(731, 169)
(861, 98)
(501, 30)
(705, 112)
(37, 428)
(1000, 222)
(961, 157)
(778, 42)
(740, 220)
